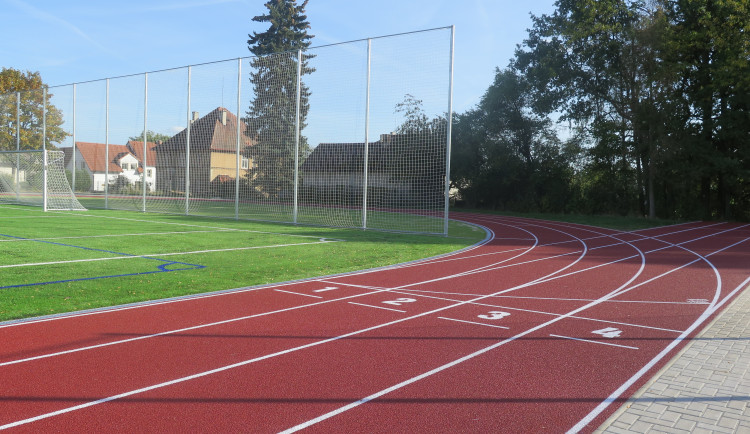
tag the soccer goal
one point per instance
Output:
(36, 178)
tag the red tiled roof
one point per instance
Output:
(94, 155)
(136, 148)
(210, 133)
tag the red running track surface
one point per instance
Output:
(544, 326)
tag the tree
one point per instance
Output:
(29, 85)
(711, 49)
(150, 137)
(271, 119)
(416, 153)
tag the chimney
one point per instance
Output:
(195, 116)
(223, 117)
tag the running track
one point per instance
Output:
(544, 326)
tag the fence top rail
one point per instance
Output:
(234, 58)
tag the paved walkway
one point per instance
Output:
(705, 388)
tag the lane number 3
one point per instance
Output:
(494, 314)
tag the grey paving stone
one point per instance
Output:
(706, 389)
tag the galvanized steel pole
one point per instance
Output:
(448, 139)
(365, 175)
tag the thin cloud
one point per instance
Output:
(187, 5)
(41, 15)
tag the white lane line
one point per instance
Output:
(411, 292)
(196, 327)
(620, 390)
(329, 340)
(378, 307)
(520, 297)
(179, 380)
(594, 342)
(297, 293)
(622, 289)
(339, 337)
(475, 323)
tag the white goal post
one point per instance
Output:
(37, 178)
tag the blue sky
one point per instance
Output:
(79, 40)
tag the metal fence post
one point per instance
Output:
(365, 175)
(44, 148)
(187, 144)
(73, 156)
(296, 137)
(145, 137)
(239, 103)
(106, 148)
(448, 139)
(18, 145)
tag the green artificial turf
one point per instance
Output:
(79, 250)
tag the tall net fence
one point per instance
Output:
(347, 135)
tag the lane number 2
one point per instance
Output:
(494, 314)
(400, 301)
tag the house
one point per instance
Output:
(136, 148)
(403, 171)
(342, 165)
(213, 154)
(123, 166)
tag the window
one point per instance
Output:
(148, 173)
(245, 163)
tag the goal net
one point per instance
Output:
(25, 179)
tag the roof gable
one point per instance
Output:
(94, 154)
(136, 148)
(209, 133)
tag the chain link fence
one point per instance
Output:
(348, 135)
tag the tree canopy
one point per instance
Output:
(29, 87)
(654, 99)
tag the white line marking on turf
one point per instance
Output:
(156, 255)
(474, 322)
(297, 293)
(378, 307)
(594, 342)
(143, 234)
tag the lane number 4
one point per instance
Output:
(609, 332)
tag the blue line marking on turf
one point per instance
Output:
(163, 268)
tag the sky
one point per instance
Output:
(76, 41)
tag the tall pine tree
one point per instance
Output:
(271, 118)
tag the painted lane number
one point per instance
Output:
(494, 314)
(400, 301)
(609, 332)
